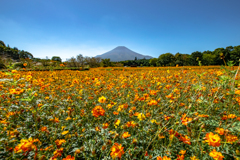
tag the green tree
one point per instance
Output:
(217, 52)
(24, 54)
(106, 62)
(235, 54)
(57, 59)
(153, 62)
(208, 59)
(81, 60)
(195, 57)
(166, 59)
(178, 59)
(2, 43)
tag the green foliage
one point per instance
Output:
(106, 62)
(167, 59)
(18, 65)
(56, 58)
(153, 62)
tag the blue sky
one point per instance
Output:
(67, 28)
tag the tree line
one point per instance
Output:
(217, 57)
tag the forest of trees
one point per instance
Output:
(217, 57)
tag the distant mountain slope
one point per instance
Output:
(122, 53)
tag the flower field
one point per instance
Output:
(149, 113)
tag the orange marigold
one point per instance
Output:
(231, 138)
(59, 142)
(152, 102)
(117, 151)
(185, 120)
(43, 128)
(69, 157)
(164, 158)
(220, 131)
(26, 145)
(105, 125)
(216, 155)
(98, 111)
(185, 139)
(126, 135)
(213, 139)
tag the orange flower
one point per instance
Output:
(224, 117)
(59, 142)
(98, 111)
(164, 158)
(131, 124)
(185, 120)
(115, 113)
(26, 145)
(182, 152)
(232, 116)
(126, 135)
(180, 157)
(24, 64)
(105, 125)
(185, 139)
(97, 129)
(220, 131)
(166, 117)
(152, 102)
(29, 77)
(69, 157)
(231, 138)
(117, 151)
(213, 139)
(43, 129)
(216, 155)
(57, 153)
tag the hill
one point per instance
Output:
(122, 53)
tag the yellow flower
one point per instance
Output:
(68, 118)
(65, 132)
(29, 77)
(182, 152)
(102, 99)
(232, 116)
(117, 122)
(126, 135)
(141, 116)
(153, 121)
(194, 158)
(14, 71)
